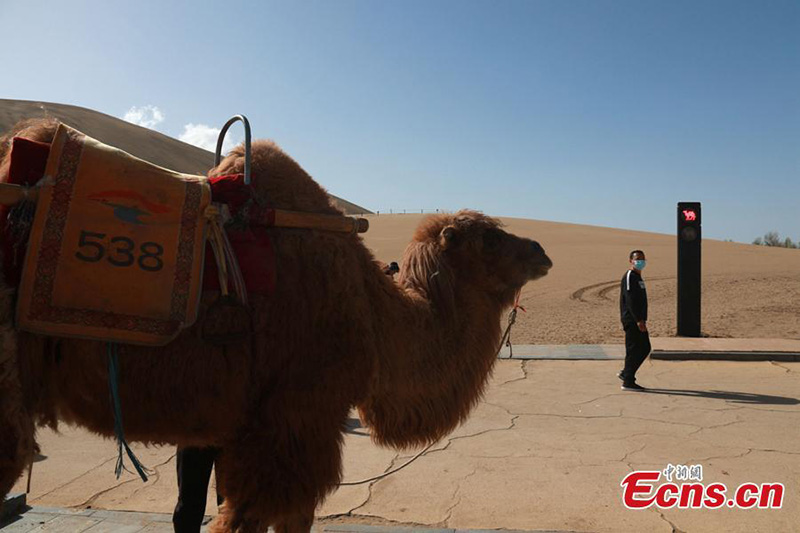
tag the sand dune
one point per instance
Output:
(748, 291)
(142, 142)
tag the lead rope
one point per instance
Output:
(116, 406)
(512, 318)
(390, 472)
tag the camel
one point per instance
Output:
(413, 355)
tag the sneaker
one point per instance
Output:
(632, 386)
(620, 376)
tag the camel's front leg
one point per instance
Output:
(296, 524)
(278, 477)
(226, 522)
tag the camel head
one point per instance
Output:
(469, 249)
(466, 269)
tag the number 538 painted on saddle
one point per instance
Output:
(120, 251)
(116, 249)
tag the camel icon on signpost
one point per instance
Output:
(689, 281)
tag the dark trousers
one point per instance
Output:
(194, 472)
(637, 348)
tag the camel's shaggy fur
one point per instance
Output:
(412, 355)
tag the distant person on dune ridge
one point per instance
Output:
(633, 312)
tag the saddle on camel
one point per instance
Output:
(240, 311)
(106, 221)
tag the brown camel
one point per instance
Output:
(413, 355)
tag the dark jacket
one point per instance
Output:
(632, 298)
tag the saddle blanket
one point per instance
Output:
(116, 248)
(252, 244)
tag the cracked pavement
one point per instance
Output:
(546, 449)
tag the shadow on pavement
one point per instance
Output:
(353, 425)
(735, 397)
(9, 518)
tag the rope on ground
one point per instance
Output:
(390, 472)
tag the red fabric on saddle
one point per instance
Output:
(28, 159)
(252, 244)
(230, 189)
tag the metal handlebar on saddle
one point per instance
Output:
(221, 139)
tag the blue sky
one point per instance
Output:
(595, 112)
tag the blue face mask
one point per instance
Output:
(639, 264)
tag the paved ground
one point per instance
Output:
(59, 520)
(545, 450)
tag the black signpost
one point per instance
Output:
(689, 245)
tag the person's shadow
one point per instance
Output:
(734, 397)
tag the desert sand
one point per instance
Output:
(748, 291)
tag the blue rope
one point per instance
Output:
(113, 378)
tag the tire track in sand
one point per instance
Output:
(599, 291)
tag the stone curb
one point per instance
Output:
(666, 355)
(611, 352)
(15, 505)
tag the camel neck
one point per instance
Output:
(432, 367)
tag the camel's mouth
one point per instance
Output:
(540, 271)
(541, 267)
(537, 263)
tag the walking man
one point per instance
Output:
(633, 312)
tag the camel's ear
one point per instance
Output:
(448, 237)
